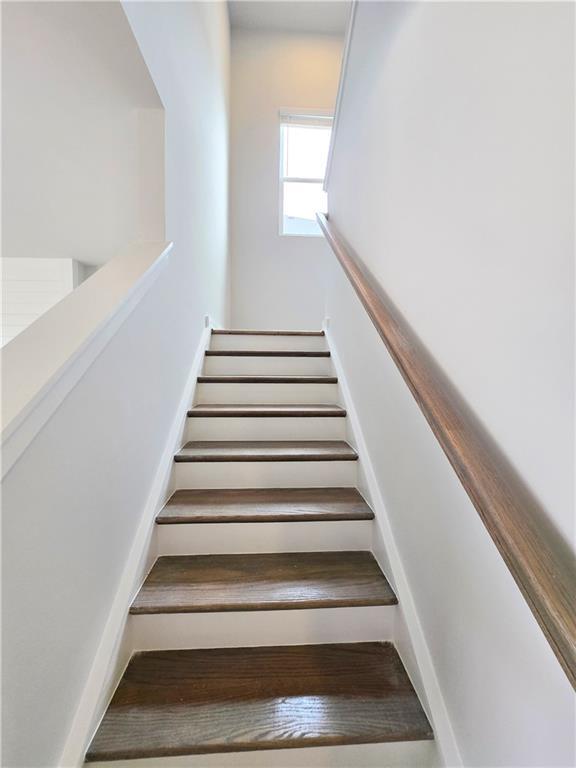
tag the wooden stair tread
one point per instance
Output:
(267, 379)
(262, 505)
(243, 332)
(184, 702)
(259, 582)
(265, 409)
(266, 353)
(266, 450)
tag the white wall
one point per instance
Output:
(193, 83)
(82, 166)
(273, 283)
(73, 501)
(453, 181)
(462, 207)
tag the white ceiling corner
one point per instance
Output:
(328, 17)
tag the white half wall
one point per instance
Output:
(82, 134)
(274, 282)
(73, 502)
(453, 180)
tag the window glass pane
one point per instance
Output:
(301, 202)
(305, 151)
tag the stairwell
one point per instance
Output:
(264, 624)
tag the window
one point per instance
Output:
(304, 143)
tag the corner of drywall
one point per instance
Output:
(340, 92)
(409, 637)
(152, 173)
(222, 42)
(116, 646)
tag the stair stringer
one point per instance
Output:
(116, 644)
(409, 638)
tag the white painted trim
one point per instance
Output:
(270, 428)
(432, 694)
(302, 180)
(45, 362)
(265, 474)
(289, 114)
(115, 645)
(339, 95)
(237, 629)
(252, 538)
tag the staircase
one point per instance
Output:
(265, 621)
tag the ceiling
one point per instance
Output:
(319, 16)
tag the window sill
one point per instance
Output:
(298, 234)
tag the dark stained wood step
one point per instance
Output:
(266, 379)
(266, 353)
(235, 332)
(264, 505)
(252, 410)
(266, 450)
(187, 702)
(262, 582)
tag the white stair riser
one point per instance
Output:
(296, 343)
(404, 754)
(267, 393)
(267, 428)
(231, 538)
(288, 366)
(264, 474)
(230, 629)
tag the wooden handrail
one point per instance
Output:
(538, 558)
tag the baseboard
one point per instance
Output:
(408, 634)
(116, 645)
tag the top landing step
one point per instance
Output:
(296, 341)
(243, 332)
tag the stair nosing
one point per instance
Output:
(344, 451)
(227, 505)
(307, 605)
(267, 353)
(266, 379)
(271, 518)
(262, 410)
(247, 332)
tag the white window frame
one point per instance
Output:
(304, 117)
